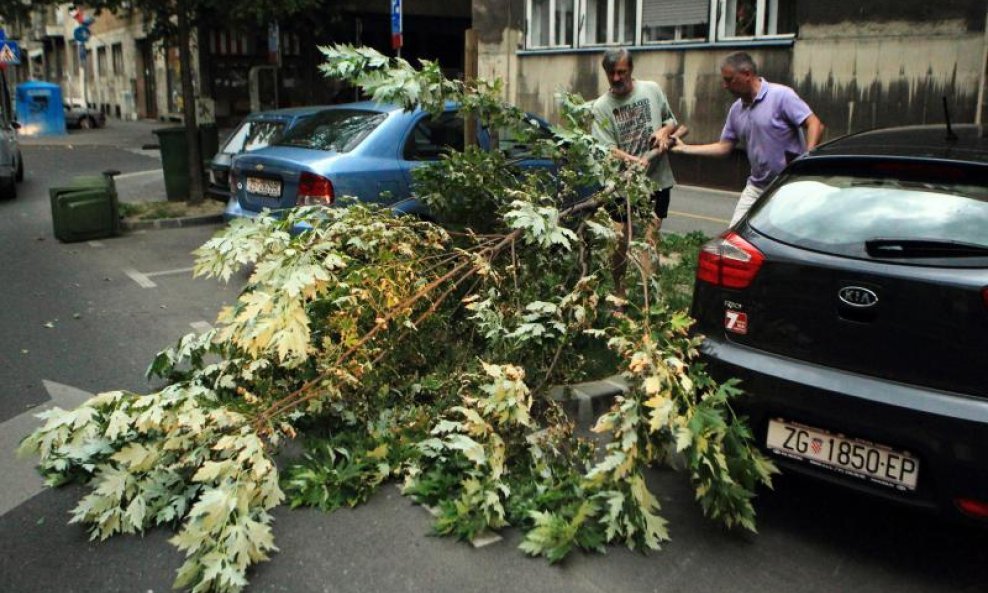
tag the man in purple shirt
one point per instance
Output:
(770, 119)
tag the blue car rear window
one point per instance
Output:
(252, 135)
(341, 130)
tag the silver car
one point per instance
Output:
(11, 162)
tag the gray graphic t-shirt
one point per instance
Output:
(628, 122)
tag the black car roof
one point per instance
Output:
(931, 142)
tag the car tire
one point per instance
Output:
(86, 123)
(19, 175)
(8, 188)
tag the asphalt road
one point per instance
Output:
(75, 315)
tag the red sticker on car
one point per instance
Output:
(736, 321)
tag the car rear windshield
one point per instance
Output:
(252, 135)
(845, 210)
(341, 130)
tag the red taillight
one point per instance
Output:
(729, 261)
(975, 508)
(314, 190)
(984, 296)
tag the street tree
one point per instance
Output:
(399, 349)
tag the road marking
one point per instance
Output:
(201, 326)
(141, 279)
(137, 174)
(709, 190)
(169, 272)
(723, 221)
(21, 482)
(485, 538)
(95, 243)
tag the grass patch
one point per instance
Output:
(678, 267)
(158, 210)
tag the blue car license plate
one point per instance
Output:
(264, 187)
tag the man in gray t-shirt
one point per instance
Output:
(632, 118)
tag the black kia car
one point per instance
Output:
(852, 302)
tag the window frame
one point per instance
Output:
(717, 26)
(552, 25)
(117, 58)
(766, 21)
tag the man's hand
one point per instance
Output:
(660, 141)
(679, 146)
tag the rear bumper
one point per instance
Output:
(948, 432)
(234, 211)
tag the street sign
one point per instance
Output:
(274, 44)
(396, 24)
(81, 33)
(10, 53)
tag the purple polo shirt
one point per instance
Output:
(770, 130)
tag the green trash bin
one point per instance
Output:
(175, 157)
(174, 162)
(86, 209)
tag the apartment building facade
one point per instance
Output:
(859, 65)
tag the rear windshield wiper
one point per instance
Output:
(881, 247)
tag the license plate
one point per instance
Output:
(855, 457)
(264, 187)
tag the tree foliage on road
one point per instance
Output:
(400, 349)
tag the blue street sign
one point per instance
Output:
(3, 34)
(396, 38)
(10, 53)
(81, 33)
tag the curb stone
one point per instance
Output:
(170, 223)
(584, 402)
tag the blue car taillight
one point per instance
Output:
(314, 190)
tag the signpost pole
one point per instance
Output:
(397, 26)
(82, 75)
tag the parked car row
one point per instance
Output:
(365, 150)
(852, 300)
(78, 115)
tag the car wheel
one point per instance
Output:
(19, 175)
(8, 188)
(86, 123)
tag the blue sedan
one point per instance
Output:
(255, 132)
(365, 150)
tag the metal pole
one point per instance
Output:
(470, 78)
(980, 108)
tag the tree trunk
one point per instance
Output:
(189, 105)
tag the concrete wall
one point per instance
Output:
(866, 75)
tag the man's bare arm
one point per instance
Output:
(719, 148)
(813, 130)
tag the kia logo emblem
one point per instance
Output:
(857, 296)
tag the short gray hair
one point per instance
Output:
(615, 55)
(740, 62)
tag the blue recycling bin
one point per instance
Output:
(39, 108)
